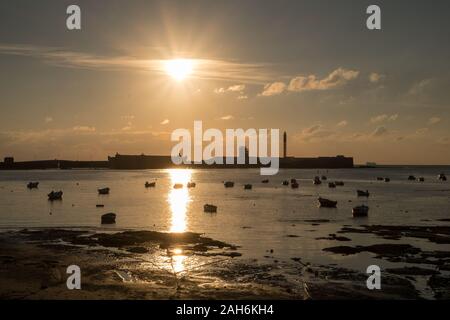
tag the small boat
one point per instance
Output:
(103, 191)
(109, 218)
(360, 211)
(293, 180)
(387, 179)
(55, 195)
(265, 181)
(380, 178)
(228, 184)
(210, 208)
(362, 193)
(442, 177)
(294, 185)
(285, 183)
(191, 184)
(248, 187)
(421, 179)
(32, 185)
(178, 186)
(324, 178)
(339, 183)
(326, 203)
(317, 181)
(99, 205)
(412, 178)
(150, 184)
(331, 185)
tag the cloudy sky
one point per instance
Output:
(308, 67)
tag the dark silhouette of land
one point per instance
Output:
(163, 162)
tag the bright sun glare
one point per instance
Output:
(179, 69)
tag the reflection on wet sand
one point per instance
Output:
(178, 200)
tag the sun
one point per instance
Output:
(179, 69)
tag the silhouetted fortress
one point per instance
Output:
(162, 162)
(129, 162)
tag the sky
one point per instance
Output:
(310, 68)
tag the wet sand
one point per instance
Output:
(157, 265)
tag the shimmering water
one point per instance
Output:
(257, 220)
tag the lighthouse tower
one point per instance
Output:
(284, 145)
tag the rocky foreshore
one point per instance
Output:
(158, 265)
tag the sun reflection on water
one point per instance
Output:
(179, 201)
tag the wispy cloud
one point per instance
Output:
(384, 117)
(211, 69)
(227, 117)
(165, 121)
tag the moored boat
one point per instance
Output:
(362, 193)
(326, 203)
(178, 186)
(331, 185)
(228, 184)
(248, 187)
(191, 184)
(150, 184)
(55, 195)
(32, 185)
(360, 211)
(109, 218)
(210, 208)
(317, 181)
(103, 191)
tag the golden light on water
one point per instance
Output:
(179, 69)
(179, 201)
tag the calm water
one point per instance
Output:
(257, 220)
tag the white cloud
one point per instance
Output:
(384, 117)
(273, 89)
(343, 123)
(227, 117)
(165, 121)
(379, 131)
(48, 119)
(315, 132)
(83, 129)
(434, 120)
(376, 77)
(336, 78)
(420, 87)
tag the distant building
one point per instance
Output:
(9, 160)
(285, 145)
